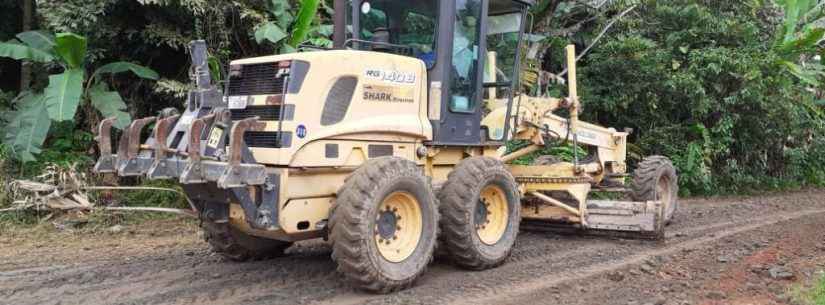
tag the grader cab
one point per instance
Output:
(391, 142)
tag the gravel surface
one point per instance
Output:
(738, 250)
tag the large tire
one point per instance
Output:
(656, 179)
(384, 225)
(479, 186)
(237, 246)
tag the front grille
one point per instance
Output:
(257, 79)
(267, 139)
(266, 113)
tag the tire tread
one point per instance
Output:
(456, 234)
(346, 224)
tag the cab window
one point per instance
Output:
(466, 50)
(411, 24)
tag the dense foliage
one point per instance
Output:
(729, 89)
(717, 86)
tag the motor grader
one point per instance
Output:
(389, 143)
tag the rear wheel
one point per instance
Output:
(237, 246)
(384, 225)
(656, 179)
(480, 208)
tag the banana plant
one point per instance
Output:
(27, 126)
(798, 41)
(301, 26)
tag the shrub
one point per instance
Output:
(701, 84)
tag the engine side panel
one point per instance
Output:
(365, 96)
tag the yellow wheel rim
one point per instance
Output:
(398, 226)
(491, 215)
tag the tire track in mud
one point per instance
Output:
(497, 294)
(191, 275)
(518, 277)
(180, 278)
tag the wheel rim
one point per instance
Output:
(491, 215)
(398, 226)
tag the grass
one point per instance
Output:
(818, 293)
(813, 295)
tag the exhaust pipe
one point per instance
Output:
(339, 34)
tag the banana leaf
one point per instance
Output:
(28, 127)
(71, 48)
(41, 40)
(269, 32)
(19, 51)
(63, 94)
(122, 66)
(110, 104)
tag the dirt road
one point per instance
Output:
(721, 251)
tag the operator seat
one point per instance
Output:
(382, 37)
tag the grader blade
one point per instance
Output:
(631, 219)
(628, 219)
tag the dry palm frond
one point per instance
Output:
(65, 189)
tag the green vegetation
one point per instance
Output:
(28, 125)
(813, 295)
(729, 90)
(817, 295)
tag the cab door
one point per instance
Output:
(459, 71)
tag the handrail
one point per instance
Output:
(386, 44)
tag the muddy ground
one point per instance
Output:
(742, 250)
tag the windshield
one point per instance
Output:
(388, 25)
(503, 42)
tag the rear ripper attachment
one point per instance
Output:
(204, 148)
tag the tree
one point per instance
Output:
(28, 23)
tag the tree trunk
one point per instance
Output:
(28, 22)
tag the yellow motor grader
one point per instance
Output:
(389, 143)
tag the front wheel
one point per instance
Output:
(480, 208)
(656, 179)
(384, 225)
